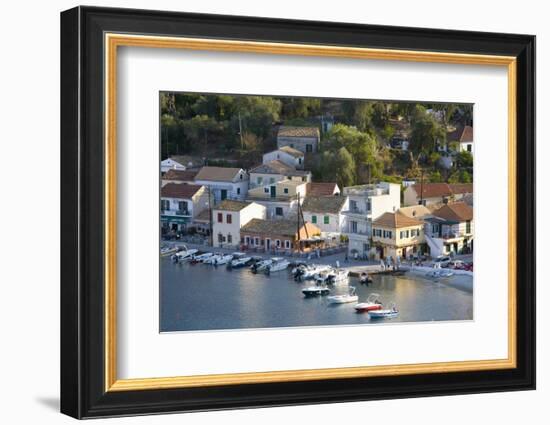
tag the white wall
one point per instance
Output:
(34, 74)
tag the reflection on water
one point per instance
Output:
(201, 297)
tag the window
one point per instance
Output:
(279, 211)
(309, 148)
(285, 190)
(182, 207)
(407, 234)
(326, 219)
(229, 238)
(304, 178)
(220, 218)
(220, 238)
(259, 180)
(314, 219)
(247, 240)
(271, 180)
(468, 226)
(401, 234)
(353, 205)
(165, 205)
(256, 241)
(469, 148)
(266, 189)
(287, 244)
(278, 243)
(300, 161)
(229, 218)
(353, 225)
(238, 191)
(369, 205)
(389, 235)
(241, 176)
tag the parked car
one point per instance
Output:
(443, 260)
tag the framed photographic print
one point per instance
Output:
(261, 212)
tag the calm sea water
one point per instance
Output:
(202, 297)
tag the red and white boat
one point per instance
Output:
(372, 303)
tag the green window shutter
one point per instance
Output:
(314, 219)
(327, 219)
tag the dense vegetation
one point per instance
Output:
(238, 129)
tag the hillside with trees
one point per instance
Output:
(356, 149)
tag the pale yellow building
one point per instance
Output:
(397, 235)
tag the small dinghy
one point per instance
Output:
(260, 265)
(372, 303)
(351, 297)
(315, 291)
(384, 313)
(277, 265)
(239, 260)
(365, 279)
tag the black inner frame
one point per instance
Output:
(82, 207)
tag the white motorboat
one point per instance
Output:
(372, 303)
(350, 297)
(224, 259)
(364, 278)
(384, 313)
(201, 257)
(309, 271)
(277, 265)
(183, 255)
(333, 276)
(315, 291)
(167, 250)
(239, 260)
(260, 265)
(212, 259)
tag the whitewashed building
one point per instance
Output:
(180, 204)
(170, 164)
(290, 156)
(274, 171)
(281, 198)
(304, 139)
(227, 219)
(367, 203)
(224, 182)
(326, 212)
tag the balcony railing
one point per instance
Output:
(184, 213)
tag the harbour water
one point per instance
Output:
(201, 297)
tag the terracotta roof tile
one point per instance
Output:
(432, 190)
(231, 205)
(322, 189)
(396, 220)
(217, 173)
(461, 188)
(291, 151)
(180, 175)
(276, 227)
(278, 167)
(324, 204)
(179, 190)
(457, 211)
(288, 131)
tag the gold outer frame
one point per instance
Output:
(113, 41)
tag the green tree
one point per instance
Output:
(300, 107)
(256, 114)
(435, 177)
(345, 168)
(464, 159)
(426, 132)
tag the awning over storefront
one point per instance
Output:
(174, 219)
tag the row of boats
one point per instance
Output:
(325, 277)
(234, 260)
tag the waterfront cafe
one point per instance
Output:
(281, 235)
